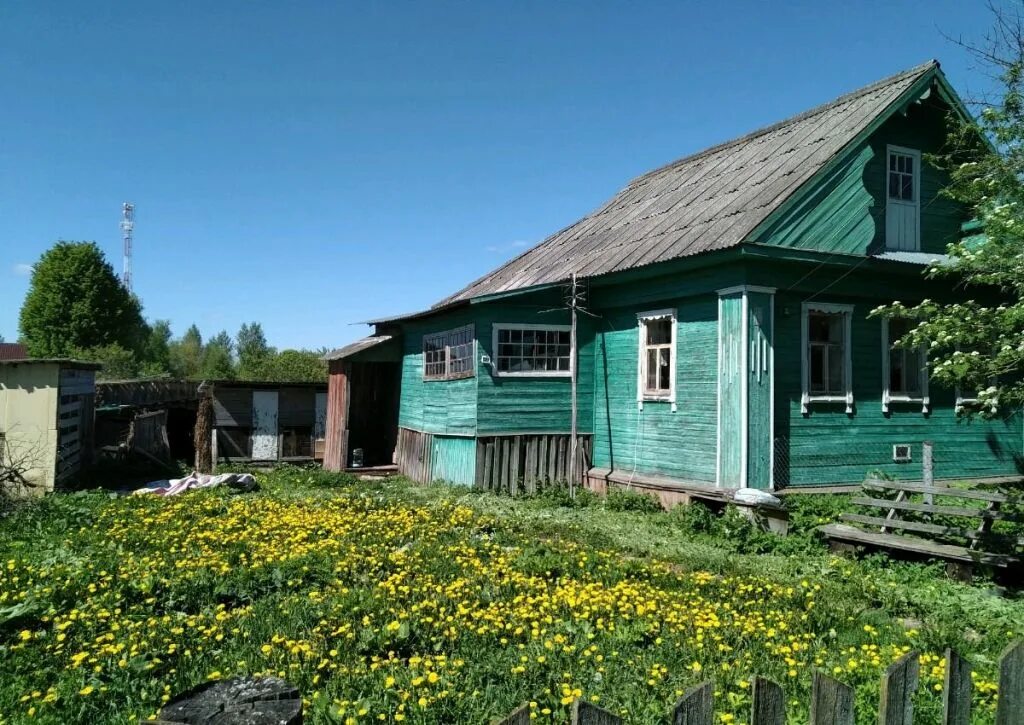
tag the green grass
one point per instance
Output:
(385, 601)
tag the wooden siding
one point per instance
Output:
(336, 436)
(730, 390)
(453, 460)
(525, 404)
(845, 213)
(232, 407)
(827, 446)
(296, 407)
(435, 406)
(413, 454)
(759, 389)
(657, 440)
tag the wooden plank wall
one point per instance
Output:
(336, 436)
(414, 453)
(526, 463)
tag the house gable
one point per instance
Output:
(844, 211)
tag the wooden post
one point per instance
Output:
(956, 691)
(204, 431)
(572, 369)
(336, 430)
(898, 686)
(583, 713)
(769, 703)
(928, 469)
(696, 707)
(831, 701)
(1010, 706)
(520, 716)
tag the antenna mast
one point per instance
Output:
(127, 226)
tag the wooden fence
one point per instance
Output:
(517, 464)
(832, 701)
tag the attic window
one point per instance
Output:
(449, 355)
(903, 195)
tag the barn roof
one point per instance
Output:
(356, 347)
(708, 201)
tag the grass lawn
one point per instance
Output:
(387, 602)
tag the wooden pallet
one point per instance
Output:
(962, 544)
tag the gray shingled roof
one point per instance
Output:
(708, 201)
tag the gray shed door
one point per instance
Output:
(264, 425)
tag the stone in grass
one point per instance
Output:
(237, 701)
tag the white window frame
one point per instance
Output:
(530, 373)
(887, 395)
(806, 399)
(641, 368)
(916, 155)
(445, 336)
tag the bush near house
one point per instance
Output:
(386, 602)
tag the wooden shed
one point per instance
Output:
(46, 421)
(269, 421)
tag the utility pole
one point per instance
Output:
(573, 437)
(127, 226)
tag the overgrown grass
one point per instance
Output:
(384, 601)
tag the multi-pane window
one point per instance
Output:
(658, 357)
(826, 340)
(449, 354)
(905, 363)
(541, 350)
(827, 365)
(901, 176)
(656, 363)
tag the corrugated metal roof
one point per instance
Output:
(922, 258)
(707, 201)
(357, 346)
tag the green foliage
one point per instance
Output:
(217, 362)
(295, 366)
(978, 345)
(186, 354)
(75, 302)
(118, 363)
(253, 351)
(157, 351)
(619, 499)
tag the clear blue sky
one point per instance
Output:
(313, 164)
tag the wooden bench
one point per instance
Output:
(962, 545)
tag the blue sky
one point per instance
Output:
(313, 164)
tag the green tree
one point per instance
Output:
(217, 361)
(296, 366)
(75, 302)
(156, 353)
(978, 345)
(186, 354)
(118, 363)
(253, 351)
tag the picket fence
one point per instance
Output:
(832, 701)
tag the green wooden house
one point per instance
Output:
(723, 338)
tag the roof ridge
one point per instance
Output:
(802, 116)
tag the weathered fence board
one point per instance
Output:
(1010, 707)
(956, 691)
(898, 685)
(517, 464)
(583, 713)
(831, 701)
(696, 707)
(521, 716)
(769, 703)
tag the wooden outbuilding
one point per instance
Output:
(46, 421)
(268, 421)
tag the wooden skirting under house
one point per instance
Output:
(669, 491)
